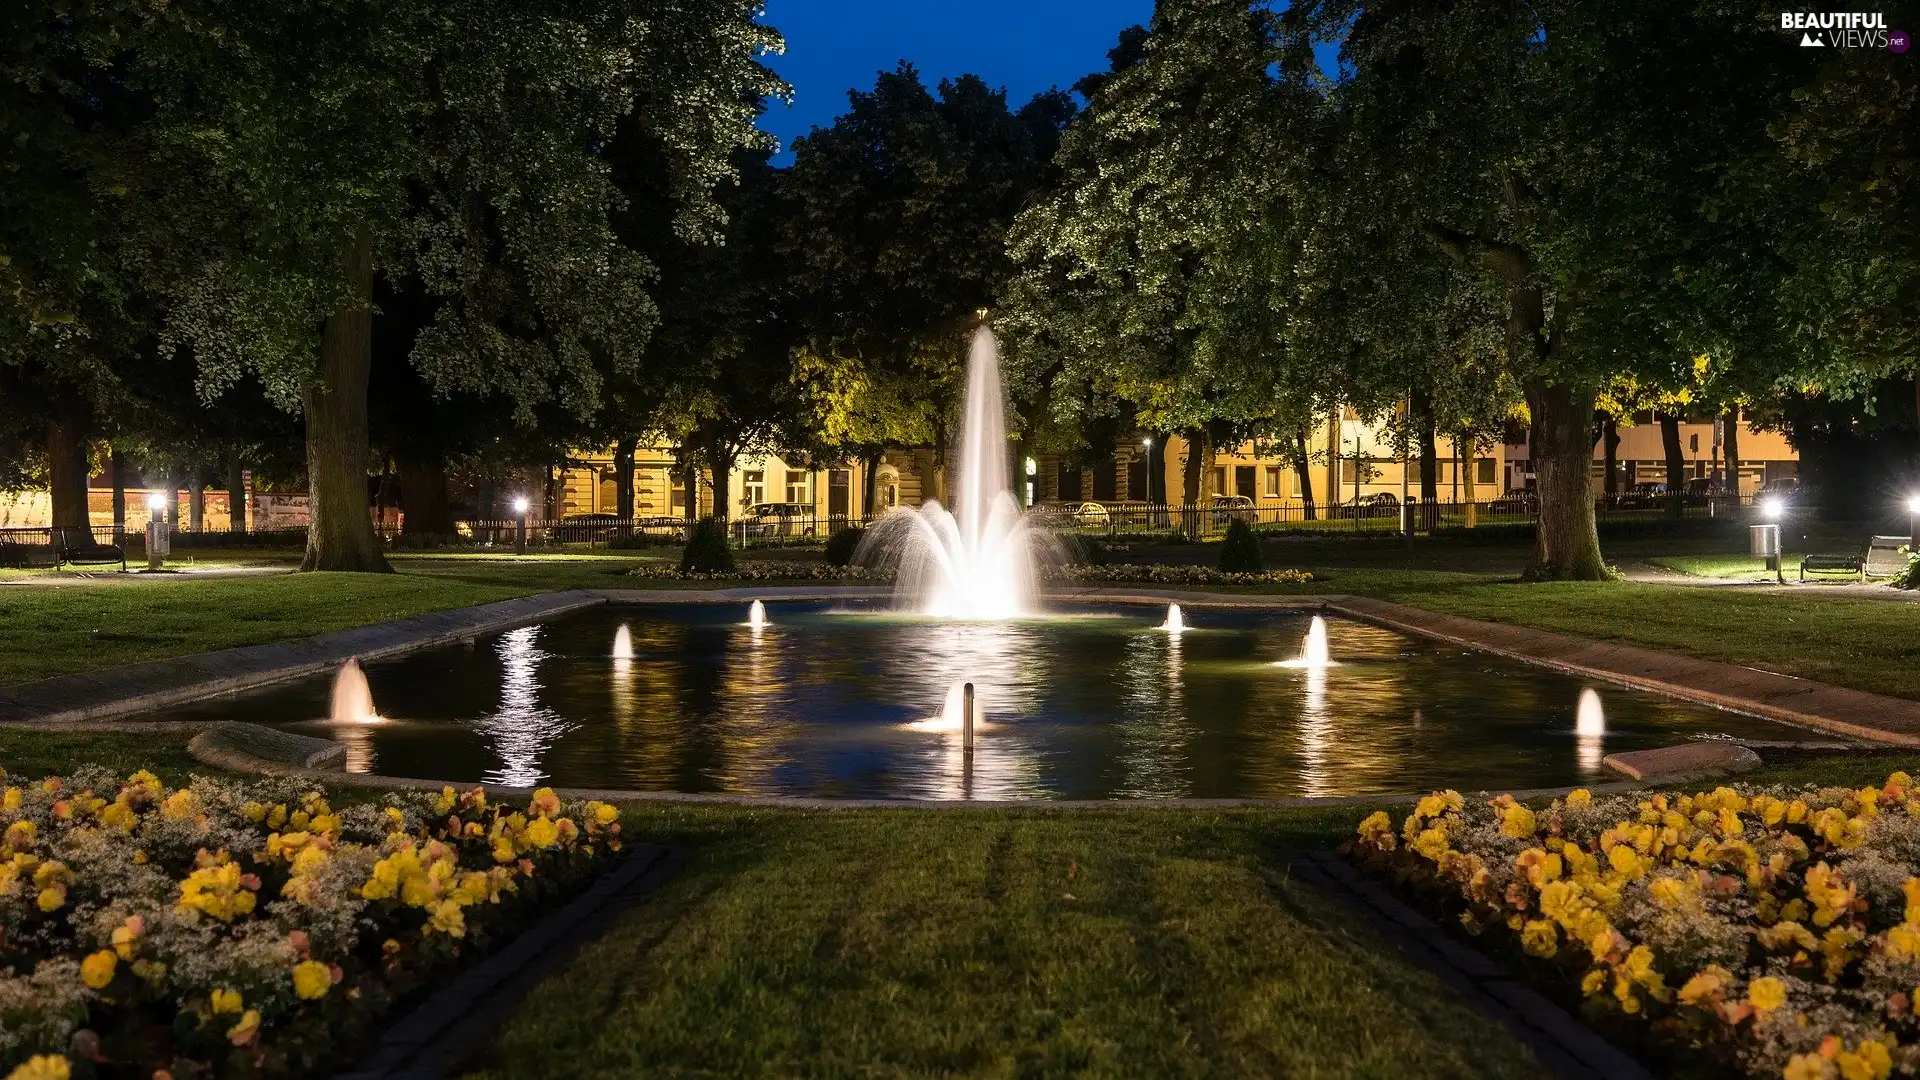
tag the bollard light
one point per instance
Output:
(1913, 521)
(159, 539)
(520, 525)
(1773, 508)
(1913, 504)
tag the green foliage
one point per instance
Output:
(708, 550)
(842, 545)
(1910, 577)
(1240, 551)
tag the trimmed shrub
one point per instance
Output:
(842, 545)
(1240, 553)
(707, 550)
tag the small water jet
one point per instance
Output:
(1176, 623)
(1314, 654)
(352, 698)
(757, 615)
(1590, 720)
(953, 712)
(623, 643)
(975, 560)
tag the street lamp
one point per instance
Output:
(520, 505)
(159, 538)
(1913, 522)
(1766, 538)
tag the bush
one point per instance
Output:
(1773, 930)
(842, 545)
(1910, 577)
(1240, 554)
(250, 928)
(707, 551)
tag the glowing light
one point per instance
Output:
(1773, 508)
(1314, 652)
(156, 502)
(520, 505)
(757, 615)
(1176, 622)
(623, 643)
(1913, 504)
(1590, 729)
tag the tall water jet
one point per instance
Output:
(757, 615)
(1176, 623)
(352, 699)
(975, 560)
(1590, 720)
(623, 643)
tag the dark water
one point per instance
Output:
(1087, 704)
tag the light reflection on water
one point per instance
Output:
(1102, 706)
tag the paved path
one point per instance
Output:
(1729, 686)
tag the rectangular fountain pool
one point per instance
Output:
(1086, 703)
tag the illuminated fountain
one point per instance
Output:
(975, 561)
(352, 699)
(1175, 623)
(1313, 652)
(1590, 728)
(953, 712)
(757, 615)
(623, 643)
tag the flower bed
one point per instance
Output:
(1776, 933)
(1152, 574)
(251, 929)
(1118, 573)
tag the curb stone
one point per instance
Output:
(435, 1039)
(1570, 1049)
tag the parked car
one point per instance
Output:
(1780, 487)
(1377, 505)
(1228, 508)
(1088, 515)
(1705, 489)
(1643, 495)
(778, 519)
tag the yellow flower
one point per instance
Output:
(1766, 993)
(1579, 797)
(312, 979)
(219, 890)
(127, 936)
(607, 814)
(1705, 985)
(180, 805)
(52, 897)
(1431, 844)
(1517, 822)
(1806, 1067)
(97, 970)
(225, 1001)
(542, 832)
(1540, 938)
(1625, 861)
(1868, 1061)
(43, 1067)
(243, 1032)
(1376, 824)
(20, 835)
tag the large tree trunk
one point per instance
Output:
(173, 499)
(1610, 453)
(871, 487)
(1196, 439)
(67, 461)
(1429, 459)
(425, 507)
(117, 474)
(196, 503)
(1566, 547)
(720, 461)
(1676, 461)
(623, 453)
(339, 533)
(236, 493)
(1303, 469)
(1730, 444)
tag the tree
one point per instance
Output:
(338, 140)
(896, 233)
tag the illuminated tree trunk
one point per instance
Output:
(623, 453)
(1676, 461)
(1610, 451)
(236, 493)
(1566, 547)
(340, 533)
(1303, 469)
(1731, 444)
(67, 461)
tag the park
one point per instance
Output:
(1150, 538)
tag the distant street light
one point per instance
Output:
(520, 505)
(1148, 444)
(159, 540)
(1773, 508)
(1913, 522)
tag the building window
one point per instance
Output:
(1273, 481)
(1220, 481)
(1483, 471)
(753, 490)
(797, 486)
(1243, 481)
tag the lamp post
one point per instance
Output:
(1773, 509)
(159, 537)
(520, 527)
(1913, 523)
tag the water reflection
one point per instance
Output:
(832, 704)
(521, 730)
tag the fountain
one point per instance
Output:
(952, 718)
(623, 643)
(1175, 623)
(1313, 653)
(975, 561)
(757, 615)
(352, 700)
(1590, 729)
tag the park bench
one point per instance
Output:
(76, 545)
(23, 549)
(1834, 564)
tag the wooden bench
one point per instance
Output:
(76, 545)
(1834, 564)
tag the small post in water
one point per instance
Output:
(966, 718)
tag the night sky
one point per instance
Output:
(1024, 46)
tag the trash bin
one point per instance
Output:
(1765, 541)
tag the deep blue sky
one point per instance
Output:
(1024, 46)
